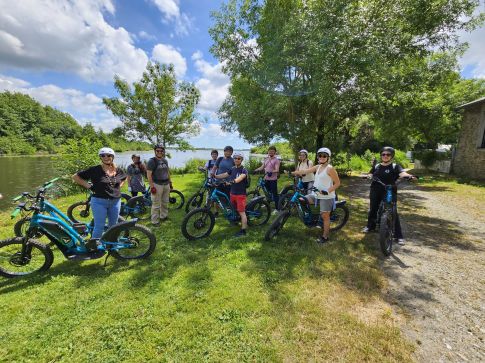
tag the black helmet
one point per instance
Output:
(158, 146)
(228, 148)
(389, 149)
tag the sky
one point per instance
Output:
(66, 53)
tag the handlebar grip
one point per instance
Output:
(18, 197)
(50, 182)
(15, 213)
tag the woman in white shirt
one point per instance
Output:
(305, 164)
(326, 181)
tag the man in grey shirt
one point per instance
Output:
(158, 175)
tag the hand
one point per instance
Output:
(324, 192)
(293, 173)
(153, 190)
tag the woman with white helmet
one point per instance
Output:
(326, 182)
(105, 182)
(303, 165)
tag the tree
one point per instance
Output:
(303, 70)
(157, 108)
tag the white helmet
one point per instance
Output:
(303, 151)
(106, 150)
(325, 150)
(238, 154)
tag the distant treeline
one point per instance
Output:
(27, 127)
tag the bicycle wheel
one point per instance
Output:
(194, 202)
(258, 213)
(20, 228)
(198, 223)
(339, 217)
(140, 242)
(386, 232)
(79, 212)
(137, 207)
(252, 194)
(176, 199)
(284, 200)
(38, 257)
(277, 225)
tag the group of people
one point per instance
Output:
(321, 181)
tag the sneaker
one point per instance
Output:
(241, 233)
(367, 230)
(400, 241)
(322, 240)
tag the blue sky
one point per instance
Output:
(65, 54)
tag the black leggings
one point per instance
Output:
(272, 186)
(376, 196)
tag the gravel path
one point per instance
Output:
(437, 280)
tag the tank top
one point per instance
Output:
(303, 166)
(323, 181)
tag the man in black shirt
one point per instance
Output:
(388, 172)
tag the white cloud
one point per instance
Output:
(146, 36)
(67, 36)
(170, 10)
(213, 84)
(165, 53)
(84, 107)
(474, 57)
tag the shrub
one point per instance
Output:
(429, 157)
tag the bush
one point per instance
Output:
(15, 145)
(429, 157)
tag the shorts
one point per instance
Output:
(326, 205)
(239, 201)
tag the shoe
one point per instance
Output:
(93, 244)
(400, 241)
(241, 233)
(322, 240)
(367, 230)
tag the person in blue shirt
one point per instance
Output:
(223, 165)
(210, 163)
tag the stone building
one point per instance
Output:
(469, 160)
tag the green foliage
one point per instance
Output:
(158, 107)
(190, 166)
(15, 145)
(429, 157)
(283, 149)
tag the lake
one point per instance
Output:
(25, 173)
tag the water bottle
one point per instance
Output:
(389, 194)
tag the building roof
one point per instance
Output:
(480, 100)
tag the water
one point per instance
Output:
(25, 173)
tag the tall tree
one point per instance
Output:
(157, 108)
(302, 69)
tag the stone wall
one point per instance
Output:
(442, 166)
(469, 160)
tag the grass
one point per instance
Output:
(218, 299)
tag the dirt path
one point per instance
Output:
(438, 278)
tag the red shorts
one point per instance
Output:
(239, 201)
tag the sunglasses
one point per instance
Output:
(237, 158)
(322, 155)
(385, 154)
(105, 155)
(159, 151)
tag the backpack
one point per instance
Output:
(394, 166)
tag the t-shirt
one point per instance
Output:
(224, 165)
(159, 169)
(388, 174)
(270, 165)
(104, 186)
(209, 165)
(238, 188)
(136, 178)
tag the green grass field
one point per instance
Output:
(219, 299)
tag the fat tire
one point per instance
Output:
(186, 220)
(252, 194)
(344, 220)
(71, 209)
(284, 201)
(147, 232)
(386, 234)
(263, 204)
(46, 251)
(176, 205)
(132, 204)
(20, 228)
(194, 202)
(277, 225)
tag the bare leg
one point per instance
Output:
(244, 220)
(326, 224)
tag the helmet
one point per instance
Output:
(106, 150)
(390, 149)
(228, 148)
(325, 150)
(238, 154)
(303, 151)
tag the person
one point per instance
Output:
(135, 172)
(106, 181)
(237, 179)
(158, 175)
(388, 172)
(209, 165)
(271, 166)
(223, 165)
(305, 164)
(326, 182)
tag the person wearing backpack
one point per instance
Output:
(158, 175)
(388, 172)
(224, 165)
(238, 181)
(304, 164)
(210, 163)
(271, 166)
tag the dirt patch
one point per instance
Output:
(437, 279)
